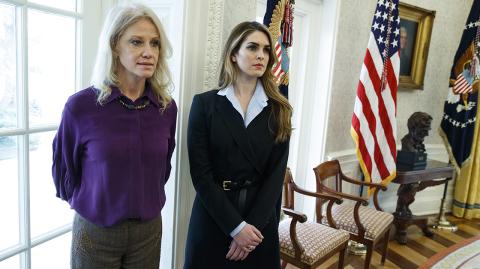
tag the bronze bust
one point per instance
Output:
(418, 125)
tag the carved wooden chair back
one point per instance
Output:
(329, 170)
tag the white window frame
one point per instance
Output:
(86, 17)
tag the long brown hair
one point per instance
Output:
(281, 109)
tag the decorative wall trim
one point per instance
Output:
(214, 42)
(426, 202)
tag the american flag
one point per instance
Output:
(464, 81)
(461, 85)
(277, 69)
(374, 125)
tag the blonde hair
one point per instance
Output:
(281, 109)
(104, 72)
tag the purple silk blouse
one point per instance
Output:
(111, 163)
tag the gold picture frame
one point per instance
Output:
(415, 31)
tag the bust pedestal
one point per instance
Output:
(411, 161)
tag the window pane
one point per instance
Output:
(53, 254)
(47, 211)
(8, 102)
(11, 263)
(61, 4)
(9, 192)
(51, 65)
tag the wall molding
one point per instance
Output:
(223, 15)
(214, 42)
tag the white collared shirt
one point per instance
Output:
(255, 106)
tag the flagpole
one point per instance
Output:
(442, 223)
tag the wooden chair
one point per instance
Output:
(366, 225)
(308, 244)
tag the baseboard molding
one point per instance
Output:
(426, 202)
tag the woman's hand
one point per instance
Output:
(248, 237)
(237, 253)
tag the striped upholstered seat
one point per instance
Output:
(374, 221)
(318, 240)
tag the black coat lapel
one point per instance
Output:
(234, 122)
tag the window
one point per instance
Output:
(47, 50)
(41, 64)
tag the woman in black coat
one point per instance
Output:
(238, 139)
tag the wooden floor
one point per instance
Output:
(418, 249)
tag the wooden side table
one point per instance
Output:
(410, 183)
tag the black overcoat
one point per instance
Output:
(220, 148)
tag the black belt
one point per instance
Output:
(228, 185)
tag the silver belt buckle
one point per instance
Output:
(224, 185)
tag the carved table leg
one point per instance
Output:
(403, 215)
(406, 196)
(401, 230)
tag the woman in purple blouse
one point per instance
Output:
(112, 151)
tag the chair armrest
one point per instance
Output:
(295, 214)
(331, 200)
(325, 196)
(377, 187)
(363, 201)
(375, 199)
(356, 215)
(296, 217)
(369, 184)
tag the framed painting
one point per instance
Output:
(415, 32)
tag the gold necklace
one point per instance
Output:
(136, 107)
